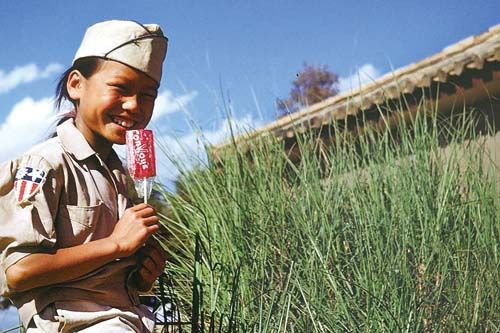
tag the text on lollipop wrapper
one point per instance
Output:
(140, 157)
(140, 150)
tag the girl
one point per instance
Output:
(75, 252)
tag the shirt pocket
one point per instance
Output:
(76, 224)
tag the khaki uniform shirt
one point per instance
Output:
(61, 194)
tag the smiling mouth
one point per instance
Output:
(123, 122)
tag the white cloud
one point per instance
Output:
(25, 74)
(189, 150)
(28, 122)
(364, 74)
(167, 103)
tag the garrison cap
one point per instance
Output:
(141, 46)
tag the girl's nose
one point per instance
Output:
(131, 104)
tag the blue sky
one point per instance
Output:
(239, 53)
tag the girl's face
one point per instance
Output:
(114, 99)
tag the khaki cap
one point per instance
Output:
(141, 46)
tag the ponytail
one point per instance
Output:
(86, 66)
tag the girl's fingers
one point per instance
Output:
(154, 260)
(160, 257)
(158, 262)
(153, 243)
(149, 264)
(146, 212)
(146, 274)
(143, 209)
(150, 270)
(138, 207)
(150, 220)
(153, 228)
(157, 251)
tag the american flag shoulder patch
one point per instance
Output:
(28, 180)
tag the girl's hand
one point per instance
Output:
(152, 260)
(134, 228)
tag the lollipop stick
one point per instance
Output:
(145, 188)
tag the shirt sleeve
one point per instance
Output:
(29, 195)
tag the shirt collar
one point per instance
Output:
(75, 143)
(73, 140)
(114, 162)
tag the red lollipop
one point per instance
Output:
(141, 159)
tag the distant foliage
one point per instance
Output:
(312, 85)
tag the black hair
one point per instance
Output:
(86, 66)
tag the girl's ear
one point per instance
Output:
(74, 85)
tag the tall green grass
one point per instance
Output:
(388, 232)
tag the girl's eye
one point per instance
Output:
(120, 87)
(148, 96)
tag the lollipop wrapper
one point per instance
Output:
(141, 160)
